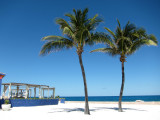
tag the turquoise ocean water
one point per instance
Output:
(115, 98)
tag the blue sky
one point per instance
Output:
(24, 22)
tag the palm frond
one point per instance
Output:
(74, 10)
(78, 32)
(100, 50)
(68, 32)
(110, 51)
(100, 37)
(129, 29)
(94, 22)
(139, 43)
(57, 43)
(119, 24)
(87, 37)
(112, 33)
(72, 18)
(52, 37)
(118, 33)
(153, 38)
(63, 24)
(84, 15)
(84, 35)
(126, 40)
(141, 31)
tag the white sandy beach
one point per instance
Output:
(74, 111)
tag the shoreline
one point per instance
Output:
(111, 102)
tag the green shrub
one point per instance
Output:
(6, 102)
(58, 96)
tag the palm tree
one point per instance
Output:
(78, 32)
(125, 41)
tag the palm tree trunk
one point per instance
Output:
(86, 111)
(122, 87)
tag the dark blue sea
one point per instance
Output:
(116, 98)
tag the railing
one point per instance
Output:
(30, 102)
(1, 102)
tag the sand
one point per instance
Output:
(74, 111)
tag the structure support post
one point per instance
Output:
(30, 93)
(1, 77)
(4, 91)
(26, 96)
(21, 93)
(43, 92)
(39, 92)
(54, 93)
(9, 92)
(34, 92)
(17, 91)
(48, 93)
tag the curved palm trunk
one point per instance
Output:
(86, 111)
(122, 87)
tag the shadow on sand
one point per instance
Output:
(116, 108)
(94, 109)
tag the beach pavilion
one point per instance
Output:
(18, 94)
(24, 90)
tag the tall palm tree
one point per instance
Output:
(125, 41)
(78, 32)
